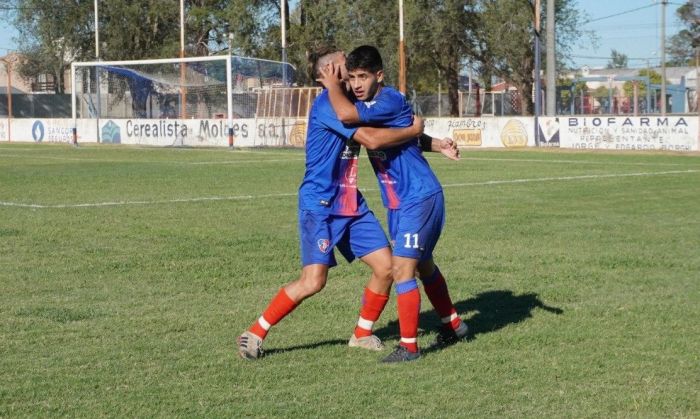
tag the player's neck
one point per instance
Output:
(380, 86)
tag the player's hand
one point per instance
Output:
(330, 76)
(449, 149)
(418, 125)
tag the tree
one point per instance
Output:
(439, 42)
(617, 60)
(140, 29)
(52, 33)
(654, 78)
(442, 36)
(682, 46)
(505, 39)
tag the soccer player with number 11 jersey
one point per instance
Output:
(410, 191)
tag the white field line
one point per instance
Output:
(564, 178)
(570, 162)
(243, 161)
(289, 194)
(215, 162)
(295, 158)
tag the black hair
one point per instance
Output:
(365, 57)
(318, 52)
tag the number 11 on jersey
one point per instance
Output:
(408, 244)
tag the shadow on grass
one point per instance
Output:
(333, 342)
(484, 313)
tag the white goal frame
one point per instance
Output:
(229, 79)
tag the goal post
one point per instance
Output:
(181, 101)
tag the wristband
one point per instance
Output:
(426, 143)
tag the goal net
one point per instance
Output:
(224, 88)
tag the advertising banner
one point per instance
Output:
(672, 133)
(484, 132)
(203, 132)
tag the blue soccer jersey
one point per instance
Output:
(330, 181)
(404, 175)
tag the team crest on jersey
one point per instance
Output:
(323, 245)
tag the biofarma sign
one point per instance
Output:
(663, 133)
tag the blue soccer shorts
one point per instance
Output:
(415, 229)
(354, 237)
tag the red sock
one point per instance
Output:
(279, 307)
(408, 302)
(372, 306)
(436, 289)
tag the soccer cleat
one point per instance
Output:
(447, 336)
(250, 346)
(401, 354)
(371, 342)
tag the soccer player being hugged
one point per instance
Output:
(333, 214)
(410, 191)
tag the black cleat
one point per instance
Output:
(447, 336)
(401, 354)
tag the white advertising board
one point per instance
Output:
(492, 132)
(44, 130)
(671, 133)
(200, 132)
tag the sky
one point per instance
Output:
(635, 33)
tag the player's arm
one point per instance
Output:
(446, 146)
(332, 81)
(378, 138)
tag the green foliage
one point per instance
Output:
(654, 77)
(52, 33)
(600, 92)
(682, 47)
(493, 36)
(617, 60)
(581, 294)
(506, 35)
(439, 41)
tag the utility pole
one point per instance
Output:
(551, 61)
(8, 70)
(538, 80)
(97, 71)
(183, 91)
(402, 52)
(663, 56)
(283, 26)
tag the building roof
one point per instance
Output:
(673, 74)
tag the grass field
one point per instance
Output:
(126, 274)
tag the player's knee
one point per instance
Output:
(384, 272)
(399, 272)
(311, 284)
